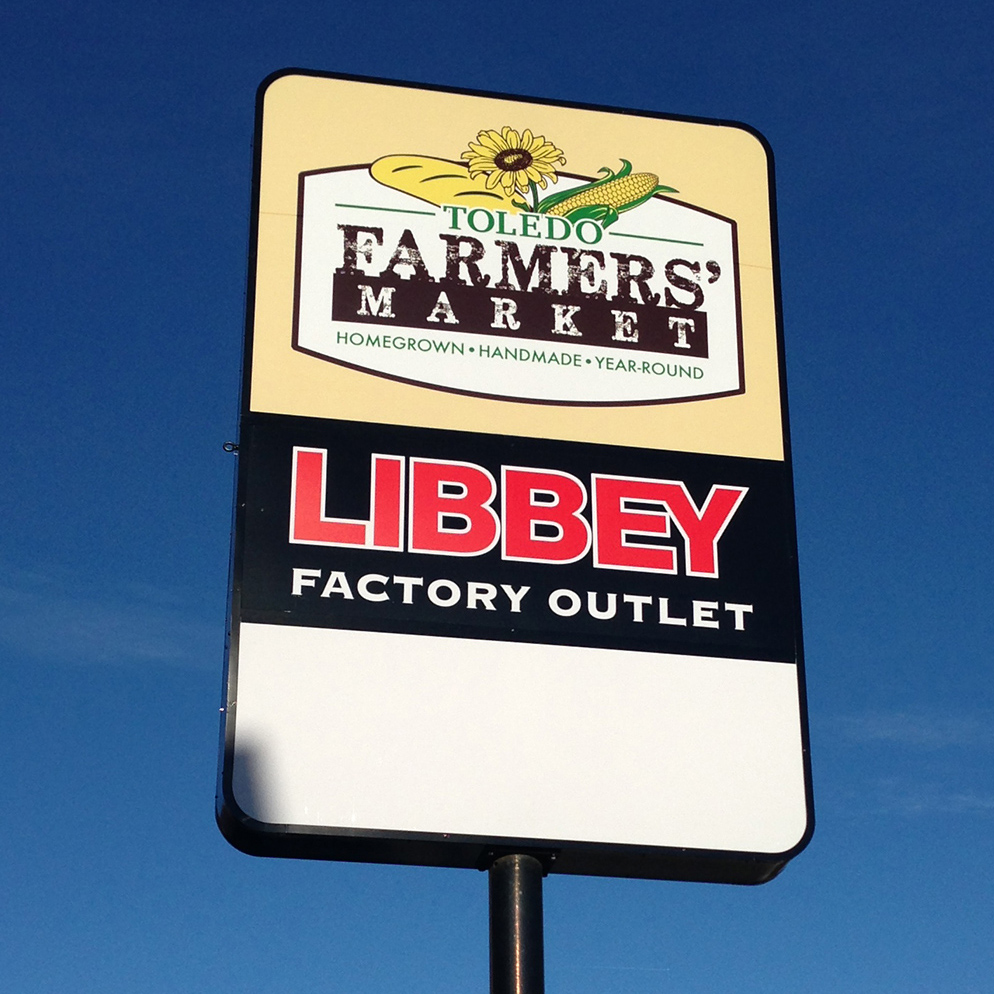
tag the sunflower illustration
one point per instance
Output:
(516, 162)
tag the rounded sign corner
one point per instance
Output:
(268, 82)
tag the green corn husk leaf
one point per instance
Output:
(558, 198)
(641, 200)
(646, 197)
(604, 214)
(626, 168)
(607, 214)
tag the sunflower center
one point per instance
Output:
(510, 160)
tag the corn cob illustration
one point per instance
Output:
(616, 193)
(605, 199)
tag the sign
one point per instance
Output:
(513, 304)
(514, 562)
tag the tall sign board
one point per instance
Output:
(515, 561)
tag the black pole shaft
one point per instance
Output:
(517, 954)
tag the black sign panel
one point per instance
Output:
(746, 610)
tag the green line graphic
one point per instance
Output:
(651, 238)
(392, 210)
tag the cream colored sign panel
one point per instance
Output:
(484, 264)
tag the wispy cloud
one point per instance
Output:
(923, 729)
(44, 616)
(925, 798)
(916, 761)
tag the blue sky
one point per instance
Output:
(127, 137)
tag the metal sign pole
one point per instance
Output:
(516, 945)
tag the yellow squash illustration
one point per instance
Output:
(438, 182)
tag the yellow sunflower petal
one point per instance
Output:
(546, 152)
(480, 149)
(492, 140)
(512, 138)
